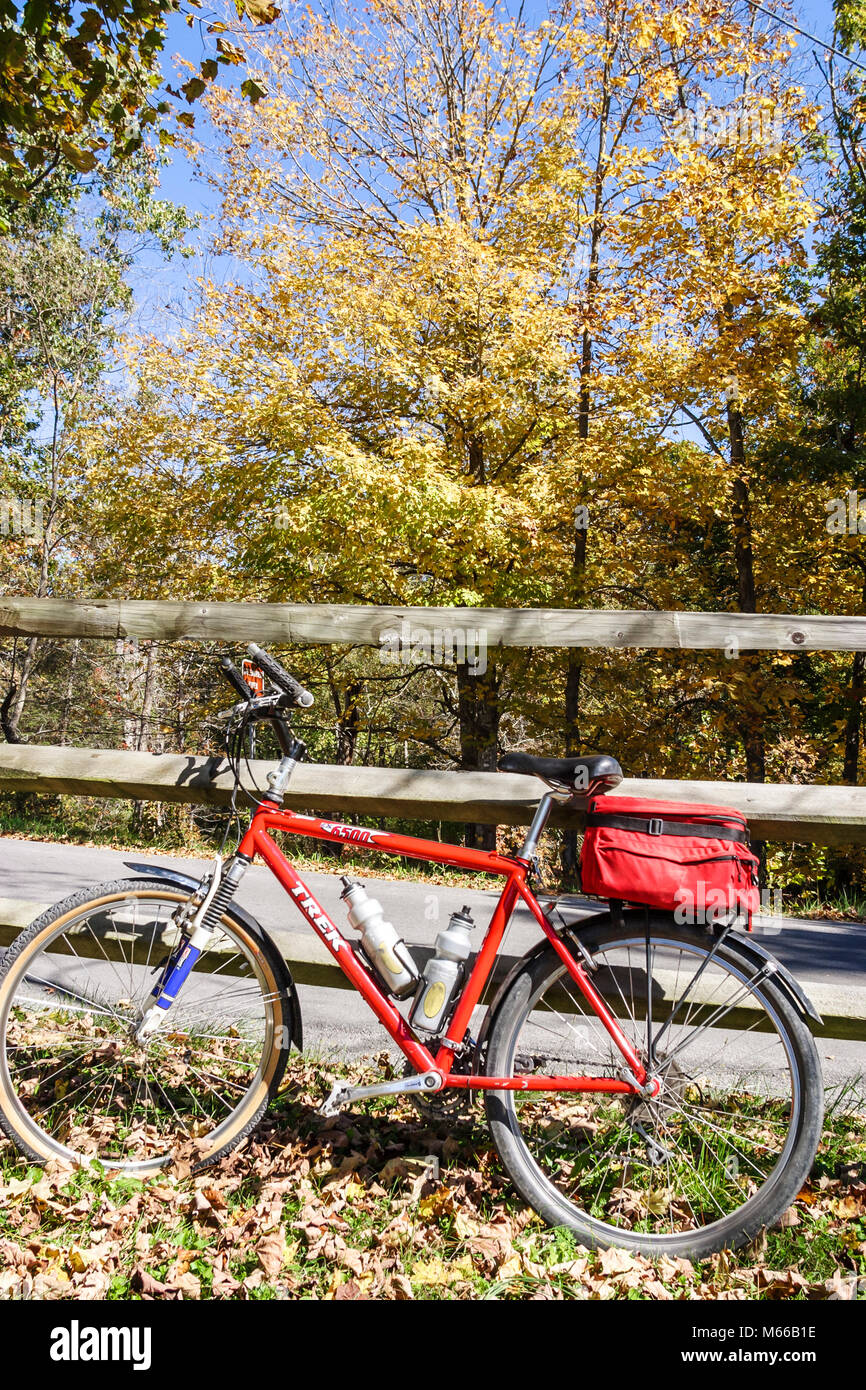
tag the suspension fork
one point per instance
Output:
(192, 945)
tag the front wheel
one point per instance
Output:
(727, 1143)
(74, 1082)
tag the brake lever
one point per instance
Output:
(261, 707)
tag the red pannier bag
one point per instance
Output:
(694, 861)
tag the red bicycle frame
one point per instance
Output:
(257, 841)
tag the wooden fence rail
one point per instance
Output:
(311, 624)
(815, 814)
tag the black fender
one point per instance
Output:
(252, 925)
(781, 976)
(760, 957)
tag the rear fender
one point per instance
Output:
(762, 959)
(781, 975)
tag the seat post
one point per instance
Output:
(539, 820)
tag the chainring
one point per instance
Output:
(447, 1104)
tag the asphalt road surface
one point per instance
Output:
(337, 1022)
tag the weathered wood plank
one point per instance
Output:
(305, 624)
(823, 815)
(842, 1008)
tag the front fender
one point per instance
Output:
(252, 925)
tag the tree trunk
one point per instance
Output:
(577, 596)
(751, 710)
(70, 691)
(842, 871)
(573, 678)
(10, 733)
(13, 716)
(13, 705)
(140, 809)
(346, 700)
(853, 722)
(348, 723)
(478, 712)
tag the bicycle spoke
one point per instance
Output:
(80, 1075)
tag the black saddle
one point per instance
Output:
(597, 772)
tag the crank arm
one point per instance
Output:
(342, 1095)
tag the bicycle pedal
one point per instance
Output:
(340, 1096)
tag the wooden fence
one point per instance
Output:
(815, 814)
(824, 815)
(324, 624)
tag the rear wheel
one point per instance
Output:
(727, 1143)
(74, 1083)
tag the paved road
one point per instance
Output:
(828, 953)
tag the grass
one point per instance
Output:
(347, 1208)
(844, 904)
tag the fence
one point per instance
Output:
(825, 815)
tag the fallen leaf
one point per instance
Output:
(441, 1272)
(270, 1252)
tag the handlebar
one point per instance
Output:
(273, 707)
(280, 677)
(235, 679)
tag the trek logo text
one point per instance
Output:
(317, 916)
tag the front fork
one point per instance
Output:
(223, 886)
(196, 936)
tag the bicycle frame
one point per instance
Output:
(257, 841)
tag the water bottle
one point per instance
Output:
(382, 945)
(441, 974)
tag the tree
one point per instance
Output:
(81, 83)
(483, 276)
(62, 290)
(714, 252)
(408, 351)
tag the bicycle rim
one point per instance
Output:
(709, 1153)
(76, 1086)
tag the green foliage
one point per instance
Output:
(82, 85)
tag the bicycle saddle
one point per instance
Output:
(597, 772)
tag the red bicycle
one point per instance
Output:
(646, 1084)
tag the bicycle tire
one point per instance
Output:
(551, 1168)
(68, 989)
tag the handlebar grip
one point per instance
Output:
(235, 679)
(280, 676)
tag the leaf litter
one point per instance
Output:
(380, 1204)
